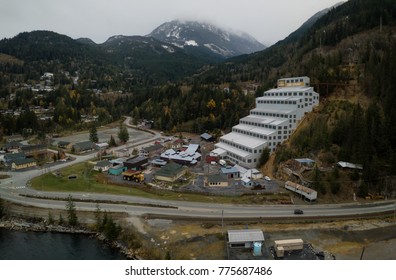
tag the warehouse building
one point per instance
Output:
(170, 172)
(276, 116)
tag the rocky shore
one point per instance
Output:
(18, 224)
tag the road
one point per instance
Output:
(15, 188)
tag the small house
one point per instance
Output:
(23, 163)
(34, 150)
(307, 162)
(83, 147)
(244, 238)
(103, 166)
(230, 172)
(254, 174)
(63, 144)
(247, 182)
(207, 137)
(116, 170)
(12, 147)
(151, 150)
(216, 180)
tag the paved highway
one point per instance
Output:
(14, 189)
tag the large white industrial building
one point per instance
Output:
(276, 116)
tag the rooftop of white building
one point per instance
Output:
(289, 89)
(232, 149)
(280, 98)
(265, 120)
(255, 129)
(273, 111)
(244, 140)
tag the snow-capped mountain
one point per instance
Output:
(207, 38)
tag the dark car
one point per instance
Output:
(298, 211)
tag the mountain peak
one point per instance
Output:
(207, 37)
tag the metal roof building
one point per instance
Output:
(349, 165)
(308, 193)
(244, 237)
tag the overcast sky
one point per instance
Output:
(267, 20)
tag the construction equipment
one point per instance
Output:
(372, 196)
(132, 175)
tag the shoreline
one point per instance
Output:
(23, 225)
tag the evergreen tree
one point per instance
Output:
(93, 133)
(71, 211)
(61, 221)
(317, 178)
(335, 185)
(111, 230)
(50, 218)
(123, 134)
(112, 142)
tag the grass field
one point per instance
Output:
(85, 179)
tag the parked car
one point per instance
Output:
(267, 178)
(298, 212)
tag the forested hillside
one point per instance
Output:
(349, 54)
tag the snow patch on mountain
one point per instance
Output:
(191, 43)
(206, 36)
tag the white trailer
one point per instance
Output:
(308, 193)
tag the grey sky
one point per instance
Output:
(266, 20)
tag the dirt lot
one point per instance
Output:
(344, 239)
(104, 135)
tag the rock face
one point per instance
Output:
(205, 37)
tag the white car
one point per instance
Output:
(267, 178)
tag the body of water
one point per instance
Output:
(16, 245)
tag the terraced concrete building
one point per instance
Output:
(276, 116)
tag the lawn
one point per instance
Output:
(85, 179)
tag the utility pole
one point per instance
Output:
(222, 218)
(361, 255)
